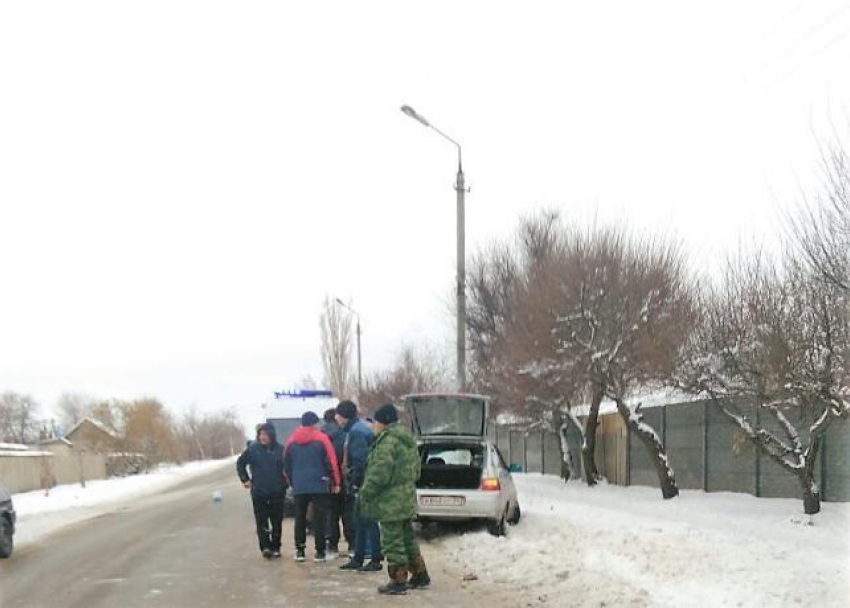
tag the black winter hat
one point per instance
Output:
(386, 414)
(309, 419)
(347, 409)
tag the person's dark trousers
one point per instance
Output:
(268, 513)
(341, 510)
(321, 503)
(337, 513)
(368, 532)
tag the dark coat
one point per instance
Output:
(310, 462)
(357, 439)
(263, 466)
(337, 437)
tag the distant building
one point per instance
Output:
(92, 435)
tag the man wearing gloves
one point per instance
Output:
(260, 469)
(358, 438)
(388, 495)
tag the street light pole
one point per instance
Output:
(460, 188)
(359, 352)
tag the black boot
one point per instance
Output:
(351, 564)
(419, 575)
(398, 581)
(372, 566)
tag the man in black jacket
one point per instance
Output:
(337, 508)
(260, 468)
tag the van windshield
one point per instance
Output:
(449, 416)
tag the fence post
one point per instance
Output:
(705, 446)
(542, 452)
(525, 453)
(823, 468)
(758, 455)
(628, 443)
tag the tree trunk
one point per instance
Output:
(567, 465)
(653, 445)
(588, 447)
(811, 491)
(811, 495)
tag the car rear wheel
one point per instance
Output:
(498, 527)
(6, 543)
(516, 514)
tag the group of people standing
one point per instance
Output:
(359, 473)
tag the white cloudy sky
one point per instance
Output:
(182, 182)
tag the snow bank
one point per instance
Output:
(612, 545)
(39, 515)
(104, 491)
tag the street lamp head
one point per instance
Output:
(412, 113)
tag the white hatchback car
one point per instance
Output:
(464, 477)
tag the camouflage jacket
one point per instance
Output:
(388, 492)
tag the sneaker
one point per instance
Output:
(267, 553)
(300, 555)
(351, 565)
(320, 558)
(372, 566)
(275, 554)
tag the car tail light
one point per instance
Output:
(491, 484)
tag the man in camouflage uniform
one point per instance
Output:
(388, 495)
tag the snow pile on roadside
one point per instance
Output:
(610, 545)
(105, 491)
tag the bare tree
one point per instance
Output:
(415, 371)
(515, 298)
(149, 429)
(821, 230)
(18, 418)
(628, 310)
(774, 335)
(72, 408)
(336, 332)
(213, 435)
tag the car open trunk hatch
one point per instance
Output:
(448, 415)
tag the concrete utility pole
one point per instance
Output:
(460, 188)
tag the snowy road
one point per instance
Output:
(180, 549)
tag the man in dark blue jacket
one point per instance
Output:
(260, 468)
(312, 470)
(337, 508)
(359, 438)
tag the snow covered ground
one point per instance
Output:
(617, 546)
(68, 504)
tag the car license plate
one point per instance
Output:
(442, 501)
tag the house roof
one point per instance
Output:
(97, 424)
(56, 440)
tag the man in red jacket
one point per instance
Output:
(313, 472)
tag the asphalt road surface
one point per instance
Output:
(181, 549)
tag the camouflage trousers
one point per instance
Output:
(398, 542)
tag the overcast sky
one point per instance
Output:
(181, 183)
